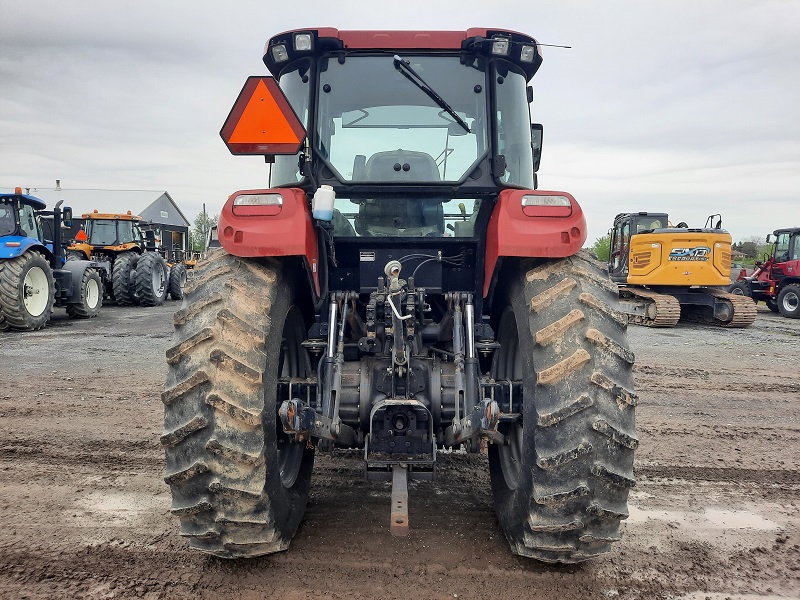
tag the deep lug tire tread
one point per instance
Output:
(177, 281)
(13, 314)
(121, 280)
(578, 414)
(149, 264)
(220, 414)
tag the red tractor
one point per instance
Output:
(401, 287)
(776, 281)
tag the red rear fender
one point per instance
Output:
(549, 230)
(272, 230)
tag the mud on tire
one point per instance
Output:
(561, 483)
(238, 487)
(122, 283)
(27, 292)
(151, 279)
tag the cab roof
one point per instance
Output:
(329, 39)
(98, 216)
(33, 201)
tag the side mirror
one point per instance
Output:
(769, 238)
(537, 134)
(66, 216)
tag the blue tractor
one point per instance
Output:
(34, 276)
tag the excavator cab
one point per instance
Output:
(626, 225)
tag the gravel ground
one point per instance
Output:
(86, 513)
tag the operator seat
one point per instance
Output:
(407, 216)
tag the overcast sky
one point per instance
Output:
(687, 107)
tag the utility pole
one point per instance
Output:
(205, 226)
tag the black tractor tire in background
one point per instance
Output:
(771, 303)
(27, 291)
(122, 283)
(91, 297)
(151, 277)
(75, 255)
(789, 301)
(238, 486)
(177, 281)
(740, 288)
(561, 482)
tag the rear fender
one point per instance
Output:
(534, 232)
(285, 230)
(69, 279)
(13, 246)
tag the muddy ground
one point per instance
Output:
(85, 512)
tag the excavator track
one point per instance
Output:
(744, 309)
(661, 310)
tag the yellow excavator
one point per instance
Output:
(669, 273)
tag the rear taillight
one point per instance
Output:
(265, 205)
(541, 205)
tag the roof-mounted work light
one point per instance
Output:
(279, 53)
(303, 42)
(500, 46)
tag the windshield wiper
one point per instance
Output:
(405, 68)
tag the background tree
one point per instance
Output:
(602, 248)
(754, 247)
(198, 236)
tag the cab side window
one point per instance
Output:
(27, 221)
(782, 248)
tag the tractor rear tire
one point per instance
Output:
(177, 281)
(151, 277)
(27, 291)
(561, 481)
(238, 485)
(91, 297)
(789, 301)
(122, 283)
(75, 255)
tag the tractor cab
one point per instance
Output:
(105, 233)
(19, 217)
(424, 150)
(113, 230)
(786, 249)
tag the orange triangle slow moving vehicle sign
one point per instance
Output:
(262, 121)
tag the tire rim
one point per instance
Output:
(36, 291)
(507, 365)
(92, 293)
(159, 279)
(790, 302)
(737, 291)
(293, 362)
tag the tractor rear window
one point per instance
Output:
(390, 130)
(8, 221)
(405, 217)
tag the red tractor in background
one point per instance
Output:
(776, 281)
(401, 287)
